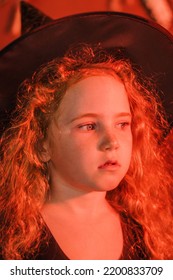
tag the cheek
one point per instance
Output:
(130, 143)
(128, 147)
(80, 153)
(126, 140)
(76, 151)
(68, 148)
(130, 150)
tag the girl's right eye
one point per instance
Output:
(87, 127)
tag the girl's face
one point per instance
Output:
(89, 142)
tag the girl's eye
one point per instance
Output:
(123, 125)
(87, 127)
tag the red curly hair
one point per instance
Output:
(144, 193)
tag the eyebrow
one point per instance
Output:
(122, 114)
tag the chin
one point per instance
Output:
(107, 187)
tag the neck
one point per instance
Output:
(77, 201)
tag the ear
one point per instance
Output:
(45, 152)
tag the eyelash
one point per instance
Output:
(92, 126)
(87, 125)
(124, 124)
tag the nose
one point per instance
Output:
(108, 141)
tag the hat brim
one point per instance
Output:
(146, 43)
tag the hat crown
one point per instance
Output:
(31, 17)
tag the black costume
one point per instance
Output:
(133, 249)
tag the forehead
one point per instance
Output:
(95, 94)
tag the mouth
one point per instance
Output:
(109, 165)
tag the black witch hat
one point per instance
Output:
(146, 43)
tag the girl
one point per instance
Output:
(83, 173)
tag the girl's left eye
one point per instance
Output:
(87, 127)
(123, 125)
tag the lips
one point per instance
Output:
(109, 165)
